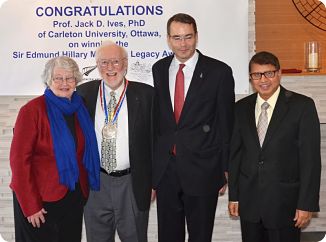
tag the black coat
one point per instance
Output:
(203, 132)
(271, 182)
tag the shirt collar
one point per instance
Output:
(117, 91)
(189, 63)
(271, 101)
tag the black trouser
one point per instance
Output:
(63, 221)
(258, 233)
(175, 208)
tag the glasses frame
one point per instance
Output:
(179, 38)
(261, 74)
(116, 63)
(60, 79)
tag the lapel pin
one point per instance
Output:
(201, 75)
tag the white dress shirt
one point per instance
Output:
(122, 141)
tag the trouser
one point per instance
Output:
(63, 221)
(175, 209)
(259, 233)
(112, 209)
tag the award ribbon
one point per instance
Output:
(117, 108)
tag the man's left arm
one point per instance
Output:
(310, 164)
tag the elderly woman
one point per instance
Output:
(54, 159)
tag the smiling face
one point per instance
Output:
(112, 65)
(63, 82)
(182, 40)
(266, 87)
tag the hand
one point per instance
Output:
(37, 218)
(234, 209)
(153, 196)
(302, 218)
(226, 174)
(223, 189)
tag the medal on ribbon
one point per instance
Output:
(109, 130)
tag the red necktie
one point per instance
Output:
(179, 93)
(179, 96)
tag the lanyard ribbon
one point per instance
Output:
(118, 106)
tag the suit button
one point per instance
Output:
(261, 162)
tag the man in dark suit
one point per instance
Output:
(123, 201)
(193, 124)
(274, 170)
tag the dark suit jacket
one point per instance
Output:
(35, 177)
(271, 182)
(204, 129)
(140, 102)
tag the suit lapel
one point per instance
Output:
(91, 98)
(133, 106)
(252, 119)
(197, 79)
(166, 88)
(279, 112)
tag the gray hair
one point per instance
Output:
(61, 62)
(108, 43)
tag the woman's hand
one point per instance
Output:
(37, 218)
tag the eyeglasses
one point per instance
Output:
(60, 79)
(179, 38)
(258, 75)
(104, 63)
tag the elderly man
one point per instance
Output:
(122, 115)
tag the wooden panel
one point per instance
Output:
(281, 30)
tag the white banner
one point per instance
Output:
(32, 31)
